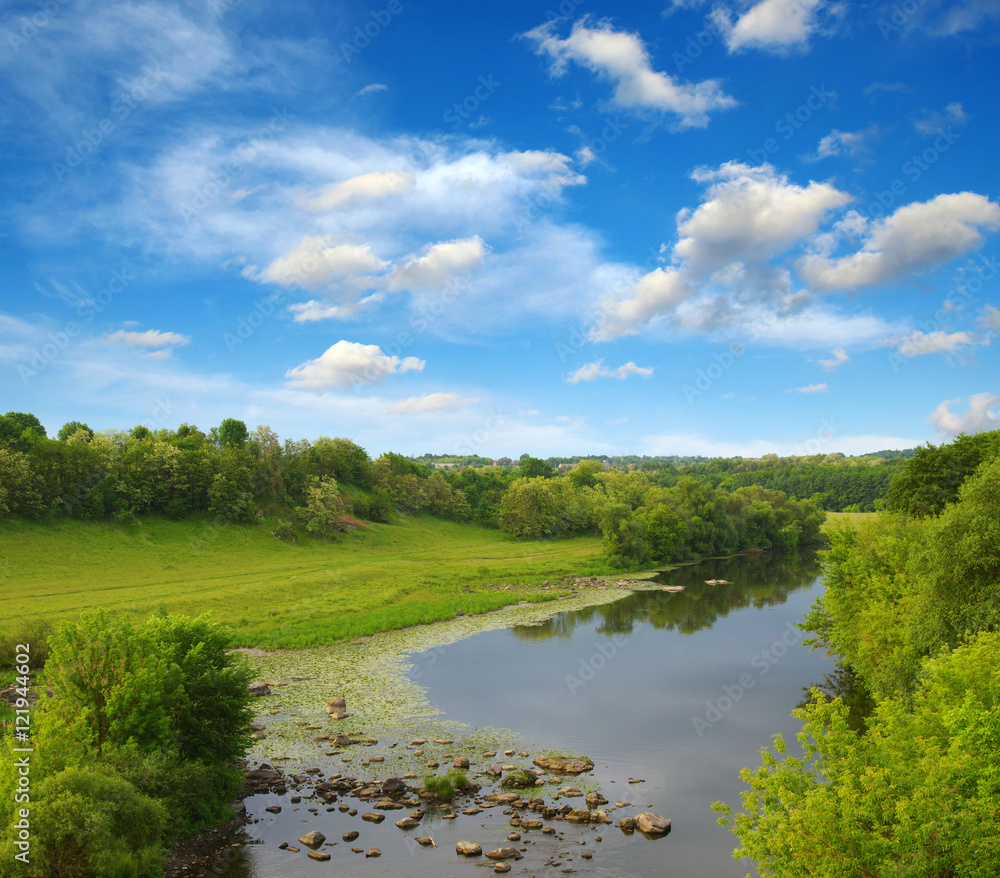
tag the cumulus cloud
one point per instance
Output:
(623, 58)
(313, 310)
(771, 25)
(346, 364)
(917, 237)
(978, 417)
(317, 259)
(920, 344)
(430, 402)
(362, 188)
(811, 388)
(593, 371)
(658, 292)
(750, 213)
(836, 361)
(440, 262)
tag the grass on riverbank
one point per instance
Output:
(270, 592)
(851, 518)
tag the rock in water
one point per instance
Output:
(594, 799)
(259, 688)
(312, 839)
(407, 823)
(468, 848)
(337, 708)
(322, 856)
(563, 764)
(504, 854)
(652, 824)
(373, 852)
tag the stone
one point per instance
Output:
(426, 841)
(468, 848)
(373, 818)
(341, 741)
(461, 762)
(506, 853)
(514, 837)
(501, 867)
(312, 839)
(393, 785)
(373, 852)
(578, 815)
(322, 856)
(259, 688)
(563, 764)
(273, 809)
(350, 836)
(652, 824)
(531, 824)
(407, 823)
(627, 824)
(600, 817)
(595, 799)
(572, 793)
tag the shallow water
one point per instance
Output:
(678, 689)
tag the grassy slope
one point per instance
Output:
(273, 593)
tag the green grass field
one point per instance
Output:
(270, 592)
(851, 518)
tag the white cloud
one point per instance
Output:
(920, 344)
(771, 25)
(693, 443)
(989, 318)
(430, 402)
(750, 213)
(151, 338)
(623, 58)
(374, 88)
(347, 364)
(313, 310)
(364, 187)
(527, 413)
(656, 293)
(917, 237)
(837, 142)
(836, 361)
(317, 259)
(979, 416)
(949, 19)
(440, 262)
(811, 388)
(939, 122)
(593, 371)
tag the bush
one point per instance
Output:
(32, 632)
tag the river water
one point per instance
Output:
(678, 689)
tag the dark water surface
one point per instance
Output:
(679, 689)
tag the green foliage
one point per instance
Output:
(88, 821)
(528, 509)
(20, 486)
(33, 632)
(932, 477)
(231, 497)
(324, 512)
(71, 428)
(233, 433)
(917, 795)
(532, 467)
(20, 430)
(446, 786)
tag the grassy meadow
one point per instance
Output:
(273, 593)
(852, 518)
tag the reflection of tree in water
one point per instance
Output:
(845, 683)
(753, 581)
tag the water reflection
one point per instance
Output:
(844, 683)
(757, 581)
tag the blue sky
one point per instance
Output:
(579, 227)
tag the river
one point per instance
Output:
(677, 689)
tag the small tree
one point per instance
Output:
(233, 432)
(71, 428)
(324, 512)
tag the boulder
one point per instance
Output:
(627, 824)
(373, 818)
(259, 688)
(501, 867)
(564, 764)
(350, 836)
(595, 799)
(578, 815)
(572, 793)
(468, 848)
(322, 856)
(312, 839)
(426, 841)
(507, 853)
(373, 852)
(461, 762)
(393, 785)
(652, 824)
(337, 708)
(407, 823)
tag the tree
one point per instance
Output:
(20, 430)
(528, 509)
(533, 467)
(324, 511)
(71, 428)
(918, 794)
(232, 433)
